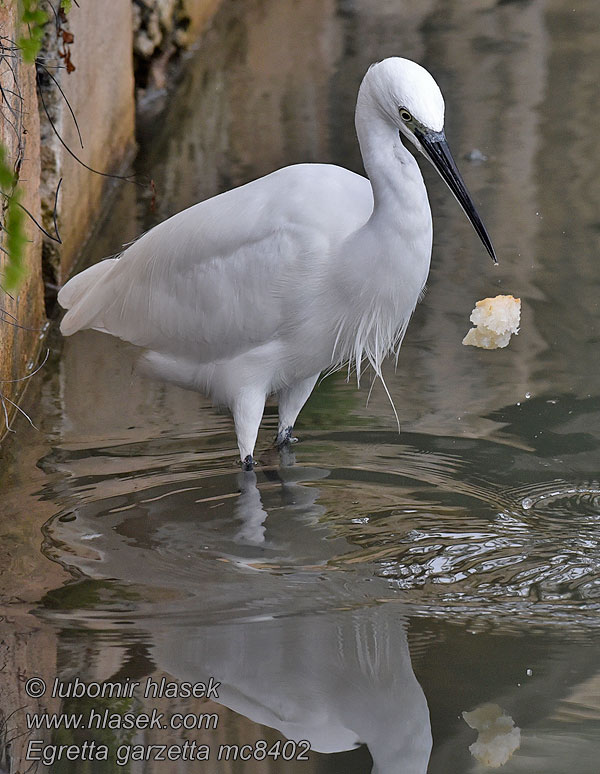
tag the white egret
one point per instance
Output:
(260, 289)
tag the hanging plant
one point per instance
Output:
(34, 18)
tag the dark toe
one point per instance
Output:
(248, 463)
(285, 437)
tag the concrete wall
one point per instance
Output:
(107, 50)
(100, 91)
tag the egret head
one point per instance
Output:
(407, 95)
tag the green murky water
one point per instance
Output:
(365, 594)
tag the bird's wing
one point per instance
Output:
(215, 279)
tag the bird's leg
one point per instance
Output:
(247, 412)
(285, 436)
(291, 401)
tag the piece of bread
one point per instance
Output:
(496, 319)
(498, 736)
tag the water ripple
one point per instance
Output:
(421, 521)
(544, 546)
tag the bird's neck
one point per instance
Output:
(394, 174)
(382, 267)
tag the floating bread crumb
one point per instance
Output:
(498, 736)
(496, 319)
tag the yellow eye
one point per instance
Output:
(405, 115)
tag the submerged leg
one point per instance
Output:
(291, 401)
(247, 413)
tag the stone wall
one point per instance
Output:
(92, 58)
(22, 313)
(162, 28)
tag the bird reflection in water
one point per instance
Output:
(296, 498)
(337, 680)
(289, 645)
(249, 510)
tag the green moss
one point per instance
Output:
(13, 226)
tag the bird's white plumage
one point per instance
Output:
(222, 276)
(258, 290)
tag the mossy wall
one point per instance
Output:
(21, 314)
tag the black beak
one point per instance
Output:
(437, 151)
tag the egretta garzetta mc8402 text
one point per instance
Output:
(260, 289)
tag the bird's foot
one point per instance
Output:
(248, 463)
(285, 437)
